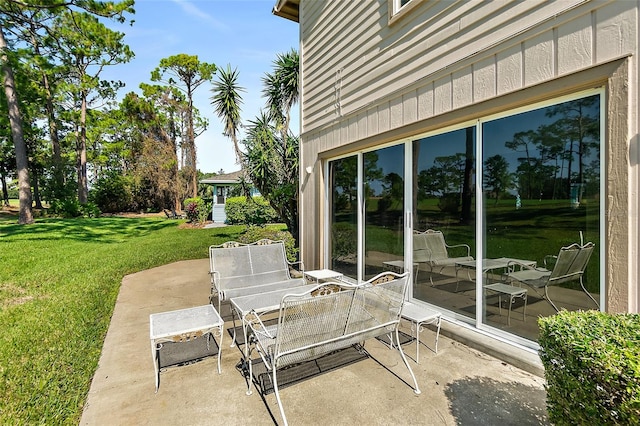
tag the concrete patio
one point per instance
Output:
(460, 385)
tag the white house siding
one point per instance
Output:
(366, 81)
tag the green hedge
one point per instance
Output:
(255, 211)
(592, 367)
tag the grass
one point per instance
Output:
(58, 284)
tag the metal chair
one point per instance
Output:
(570, 265)
(430, 248)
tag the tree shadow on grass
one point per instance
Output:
(482, 400)
(102, 230)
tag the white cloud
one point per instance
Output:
(192, 10)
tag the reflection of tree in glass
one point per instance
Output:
(373, 175)
(392, 192)
(579, 127)
(344, 176)
(496, 175)
(550, 151)
(445, 176)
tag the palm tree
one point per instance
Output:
(281, 88)
(226, 101)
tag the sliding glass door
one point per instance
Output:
(495, 206)
(541, 192)
(444, 213)
(343, 219)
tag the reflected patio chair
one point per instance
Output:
(570, 264)
(430, 248)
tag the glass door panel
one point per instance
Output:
(444, 213)
(541, 187)
(383, 188)
(343, 220)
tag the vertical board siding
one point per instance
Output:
(616, 30)
(425, 101)
(510, 70)
(575, 43)
(484, 79)
(538, 59)
(462, 86)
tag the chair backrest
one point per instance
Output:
(319, 322)
(571, 263)
(429, 246)
(381, 299)
(264, 260)
(307, 320)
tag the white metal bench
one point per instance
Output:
(333, 316)
(238, 269)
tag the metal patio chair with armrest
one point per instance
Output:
(570, 265)
(430, 248)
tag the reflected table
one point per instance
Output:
(489, 265)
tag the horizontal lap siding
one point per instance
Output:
(363, 77)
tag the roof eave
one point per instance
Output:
(288, 9)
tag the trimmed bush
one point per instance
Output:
(256, 211)
(255, 233)
(592, 367)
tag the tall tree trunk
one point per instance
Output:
(58, 173)
(175, 189)
(83, 187)
(192, 149)
(22, 161)
(467, 185)
(36, 190)
(5, 191)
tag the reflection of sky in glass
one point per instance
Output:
(496, 132)
(442, 145)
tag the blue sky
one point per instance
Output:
(243, 33)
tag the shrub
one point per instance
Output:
(345, 241)
(196, 210)
(255, 233)
(256, 211)
(70, 208)
(112, 193)
(592, 367)
(449, 202)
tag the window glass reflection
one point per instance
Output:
(541, 186)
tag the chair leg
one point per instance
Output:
(416, 389)
(277, 392)
(588, 294)
(546, 294)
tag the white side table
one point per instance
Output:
(322, 274)
(183, 325)
(419, 316)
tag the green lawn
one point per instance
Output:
(59, 280)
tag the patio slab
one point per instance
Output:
(460, 385)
